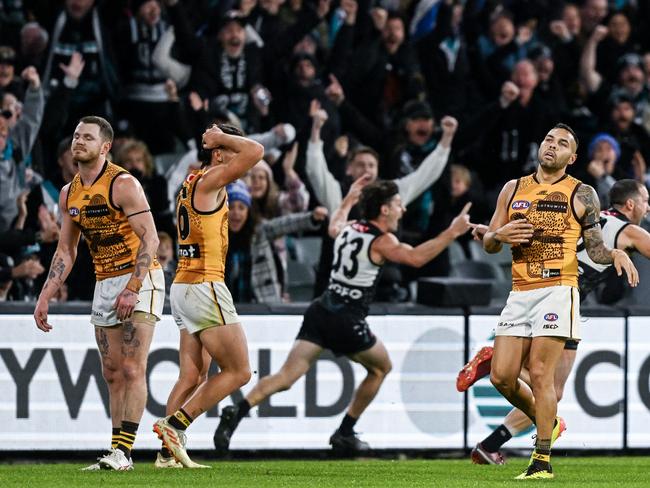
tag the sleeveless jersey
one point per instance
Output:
(592, 274)
(549, 259)
(202, 236)
(113, 244)
(353, 277)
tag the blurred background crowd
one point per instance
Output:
(333, 89)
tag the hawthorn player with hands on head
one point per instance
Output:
(201, 303)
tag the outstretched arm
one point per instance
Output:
(636, 238)
(389, 248)
(130, 197)
(62, 261)
(587, 207)
(412, 185)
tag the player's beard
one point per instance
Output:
(86, 157)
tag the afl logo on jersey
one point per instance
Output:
(520, 205)
(74, 211)
(551, 317)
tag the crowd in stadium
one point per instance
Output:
(455, 93)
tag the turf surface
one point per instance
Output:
(570, 471)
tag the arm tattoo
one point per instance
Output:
(143, 259)
(591, 233)
(55, 276)
(587, 196)
(57, 268)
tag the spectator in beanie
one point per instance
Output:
(251, 266)
(603, 151)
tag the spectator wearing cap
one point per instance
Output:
(225, 69)
(79, 29)
(603, 151)
(252, 274)
(145, 99)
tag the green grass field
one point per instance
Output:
(570, 471)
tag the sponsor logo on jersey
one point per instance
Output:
(549, 206)
(550, 273)
(345, 291)
(506, 324)
(520, 204)
(86, 197)
(96, 210)
(74, 211)
(551, 317)
(543, 192)
(189, 251)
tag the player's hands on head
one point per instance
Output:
(518, 231)
(125, 304)
(622, 262)
(461, 223)
(212, 137)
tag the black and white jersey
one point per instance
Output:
(612, 223)
(353, 277)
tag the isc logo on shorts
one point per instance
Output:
(551, 317)
(520, 205)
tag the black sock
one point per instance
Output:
(243, 408)
(164, 452)
(180, 419)
(496, 439)
(127, 437)
(347, 425)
